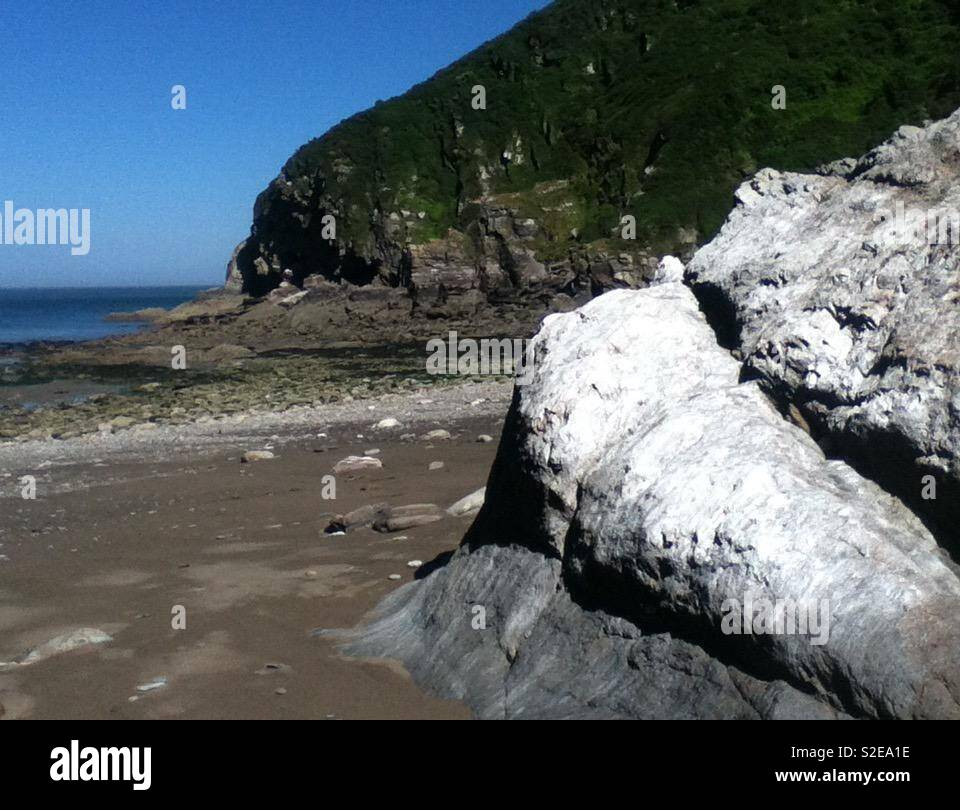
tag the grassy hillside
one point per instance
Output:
(657, 108)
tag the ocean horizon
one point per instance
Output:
(30, 314)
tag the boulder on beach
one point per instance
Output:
(660, 538)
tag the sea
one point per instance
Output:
(76, 314)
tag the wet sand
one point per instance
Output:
(115, 542)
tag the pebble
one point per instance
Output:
(385, 424)
(272, 669)
(436, 465)
(483, 438)
(414, 563)
(394, 577)
(158, 683)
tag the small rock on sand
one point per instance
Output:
(84, 637)
(414, 563)
(407, 517)
(483, 438)
(394, 577)
(156, 683)
(436, 434)
(256, 455)
(436, 465)
(398, 524)
(468, 503)
(358, 518)
(386, 424)
(357, 463)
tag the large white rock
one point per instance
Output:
(842, 293)
(638, 487)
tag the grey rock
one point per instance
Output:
(358, 518)
(407, 517)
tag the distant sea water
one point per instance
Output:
(78, 313)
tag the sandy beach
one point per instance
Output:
(133, 528)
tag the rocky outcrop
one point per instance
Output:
(840, 292)
(234, 280)
(468, 276)
(641, 492)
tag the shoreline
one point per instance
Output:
(57, 317)
(160, 442)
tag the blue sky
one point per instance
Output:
(87, 120)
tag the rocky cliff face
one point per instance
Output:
(648, 486)
(505, 177)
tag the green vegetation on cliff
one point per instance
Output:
(656, 108)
